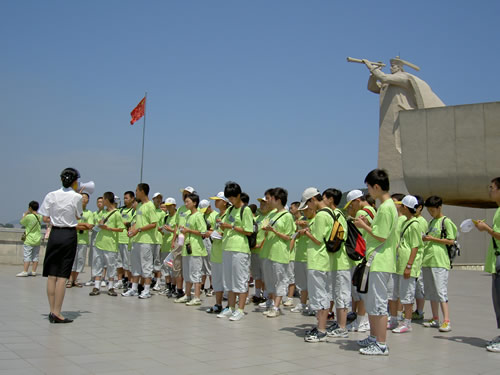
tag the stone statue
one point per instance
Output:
(398, 91)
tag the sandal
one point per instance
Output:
(69, 284)
(78, 285)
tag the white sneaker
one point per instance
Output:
(182, 299)
(226, 313)
(402, 328)
(364, 327)
(263, 305)
(32, 273)
(144, 295)
(22, 274)
(274, 313)
(104, 283)
(352, 327)
(157, 287)
(130, 293)
(236, 315)
(288, 302)
(194, 302)
(495, 347)
(375, 349)
(89, 283)
(298, 308)
(118, 285)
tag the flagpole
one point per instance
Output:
(143, 132)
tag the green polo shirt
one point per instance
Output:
(33, 229)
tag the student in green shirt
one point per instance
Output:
(206, 271)
(238, 224)
(32, 222)
(143, 234)
(127, 213)
(169, 236)
(381, 241)
(418, 314)
(436, 263)
(279, 232)
(290, 272)
(409, 261)
(86, 221)
(157, 201)
(106, 245)
(193, 251)
(256, 262)
(97, 216)
(492, 264)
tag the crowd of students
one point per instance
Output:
(193, 249)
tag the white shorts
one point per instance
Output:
(141, 259)
(104, 259)
(300, 269)
(406, 289)
(31, 253)
(165, 270)
(217, 279)
(290, 272)
(191, 268)
(279, 279)
(123, 258)
(81, 255)
(235, 271)
(156, 257)
(256, 266)
(206, 267)
(420, 291)
(392, 287)
(436, 284)
(319, 287)
(376, 299)
(342, 288)
(267, 272)
(356, 297)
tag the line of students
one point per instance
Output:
(409, 257)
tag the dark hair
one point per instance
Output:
(398, 196)
(412, 210)
(333, 193)
(34, 205)
(433, 201)
(269, 192)
(137, 200)
(143, 187)
(131, 194)
(245, 198)
(318, 197)
(496, 181)
(378, 177)
(195, 198)
(232, 189)
(68, 176)
(280, 194)
(368, 198)
(420, 201)
(253, 207)
(88, 196)
(98, 198)
(294, 204)
(109, 196)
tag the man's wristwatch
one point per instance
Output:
(139, 230)
(409, 266)
(232, 227)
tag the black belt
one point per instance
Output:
(73, 228)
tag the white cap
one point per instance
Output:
(352, 195)
(263, 199)
(410, 201)
(188, 189)
(220, 195)
(204, 204)
(157, 194)
(308, 194)
(170, 201)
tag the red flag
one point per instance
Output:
(138, 111)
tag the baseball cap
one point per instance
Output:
(263, 199)
(170, 201)
(157, 194)
(352, 195)
(410, 201)
(204, 204)
(220, 195)
(306, 195)
(188, 188)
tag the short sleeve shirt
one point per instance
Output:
(161, 216)
(384, 226)
(169, 220)
(436, 254)
(127, 215)
(233, 240)
(318, 258)
(145, 215)
(63, 206)
(88, 218)
(340, 259)
(33, 227)
(197, 222)
(261, 235)
(216, 252)
(412, 238)
(283, 223)
(490, 264)
(108, 240)
(301, 244)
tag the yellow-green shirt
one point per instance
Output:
(436, 254)
(490, 263)
(197, 222)
(88, 218)
(108, 240)
(145, 215)
(33, 227)
(233, 240)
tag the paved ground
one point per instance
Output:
(131, 336)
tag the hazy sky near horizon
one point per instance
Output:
(258, 92)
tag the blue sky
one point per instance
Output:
(253, 91)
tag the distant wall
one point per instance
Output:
(11, 246)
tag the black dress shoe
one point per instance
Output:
(56, 319)
(51, 318)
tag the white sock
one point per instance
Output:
(363, 319)
(110, 284)
(407, 322)
(97, 284)
(146, 288)
(135, 286)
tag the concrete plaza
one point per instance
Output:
(116, 335)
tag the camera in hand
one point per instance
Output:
(188, 249)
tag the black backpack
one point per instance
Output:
(453, 250)
(252, 238)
